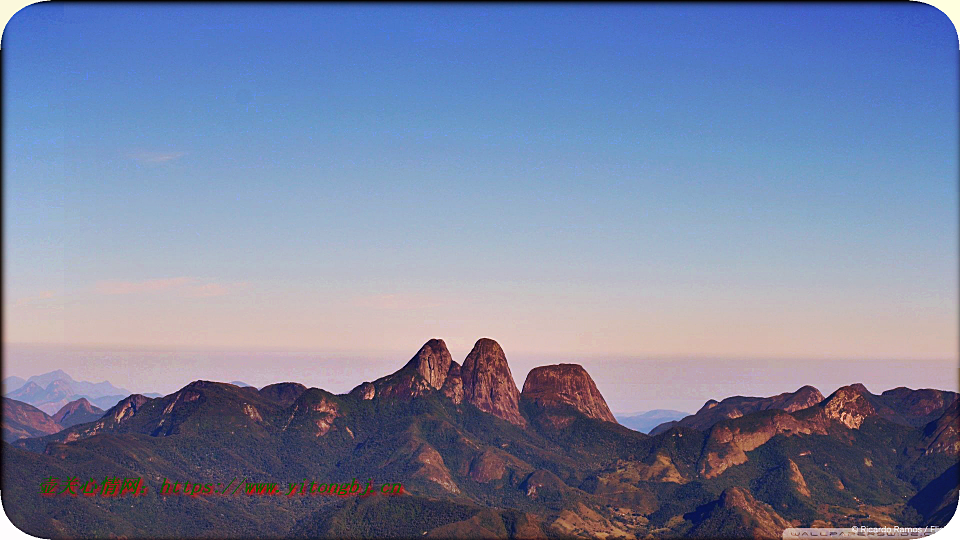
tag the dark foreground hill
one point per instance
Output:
(477, 458)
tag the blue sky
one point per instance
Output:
(775, 181)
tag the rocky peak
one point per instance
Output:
(77, 412)
(453, 386)
(79, 405)
(432, 362)
(200, 384)
(488, 383)
(126, 408)
(859, 387)
(427, 371)
(851, 391)
(566, 384)
(366, 390)
(806, 396)
(799, 482)
(711, 403)
(848, 405)
(735, 497)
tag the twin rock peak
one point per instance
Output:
(485, 381)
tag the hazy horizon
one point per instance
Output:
(664, 383)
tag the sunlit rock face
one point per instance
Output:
(488, 383)
(427, 371)
(849, 406)
(566, 384)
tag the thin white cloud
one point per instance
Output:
(213, 289)
(155, 157)
(43, 295)
(134, 287)
(397, 301)
(186, 287)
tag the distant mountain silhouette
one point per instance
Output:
(12, 383)
(106, 402)
(646, 421)
(45, 379)
(51, 391)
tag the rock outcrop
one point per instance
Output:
(628, 472)
(126, 408)
(943, 434)
(728, 441)
(806, 396)
(848, 405)
(488, 466)
(737, 515)
(453, 386)
(426, 371)
(366, 390)
(796, 477)
(566, 384)
(542, 483)
(432, 362)
(427, 463)
(488, 383)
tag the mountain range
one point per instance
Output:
(49, 392)
(478, 457)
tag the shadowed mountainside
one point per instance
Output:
(23, 420)
(77, 412)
